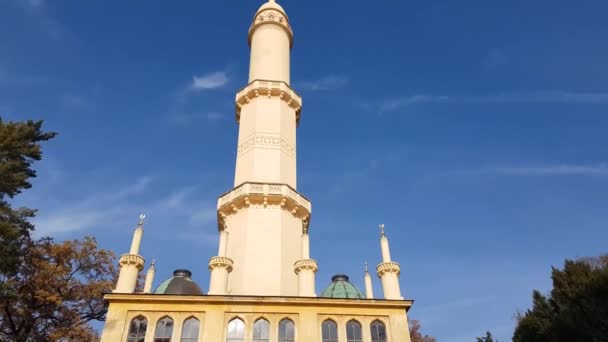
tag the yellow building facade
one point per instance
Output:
(262, 280)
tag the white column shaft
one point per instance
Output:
(127, 279)
(305, 246)
(369, 291)
(218, 281)
(386, 253)
(136, 241)
(149, 280)
(223, 245)
(390, 286)
(306, 283)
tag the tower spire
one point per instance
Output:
(266, 218)
(388, 271)
(131, 263)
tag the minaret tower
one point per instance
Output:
(265, 216)
(388, 271)
(131, 263)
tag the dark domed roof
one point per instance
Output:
(180, 284)
(342, 288)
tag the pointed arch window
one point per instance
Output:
(287, 331)
(261, 331)
(236, 331)
(137, 329)
(190, 330)
(329, 331)
(378, 331)
(353, 331)
(164, 330)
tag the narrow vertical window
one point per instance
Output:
(190, 330)
(378, 331)
(329, 330)
(353, 331)
(236, 331)
(164, 330)
(261, 331)
(137, 329)
(287, 331)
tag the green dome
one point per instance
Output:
(180, 284)
(342, 288)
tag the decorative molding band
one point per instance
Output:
(305, 264)
(274, 17)
(270, 89)
(263, 195)
(273, 141)
(220, 262)
(388, 267)
(131, 259)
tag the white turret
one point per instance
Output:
(369, 291)
(388, 271)
(149, 278)
(130, 264)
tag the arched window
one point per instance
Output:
(353, 331)
(329, 330)
(236, 331)
(164, 330)
(378, 331)
(287, 331)
(190, 330)
(261, 331)
(137, 329)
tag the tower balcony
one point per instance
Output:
(263, 195)
(277, 89)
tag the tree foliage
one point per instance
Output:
(57, 291)
(19, 148)
(416, 334)
(576, 309)
(487, 338)
(49, 291)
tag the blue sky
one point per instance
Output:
(474, 130)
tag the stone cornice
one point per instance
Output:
(257, 300)
(273, 17)
(220, 262)
(276, 89)
(305, 264)
(263, 195)
(131, 259)
(388, 267)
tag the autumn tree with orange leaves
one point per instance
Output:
(49, 291)
(416, 335)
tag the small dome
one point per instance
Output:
(342, 288)
(180, 284)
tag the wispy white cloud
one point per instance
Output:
(209, 81)
(329, 82)
(563, 169)
(113, 209)
(515, 97)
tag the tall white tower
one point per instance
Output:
(263, 220)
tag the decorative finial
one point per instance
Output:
(142, 217)
(381, 229)
(366, 267)
(153, 262)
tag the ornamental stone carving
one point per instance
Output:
(220, 262)
(305, 264)
(274, 17)
(263, 195)
(131, 259)
(388, 267)
(273, 141)
(270, 89)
